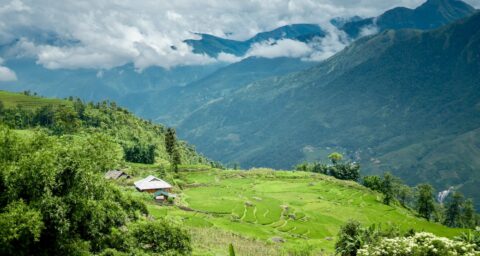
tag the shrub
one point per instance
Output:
(162, 237)
(372, 182)
(421, 244)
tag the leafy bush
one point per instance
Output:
(352, 236)
(471, 237)
(372, 182)
(162, 237)
(55, 201)
(420, 244)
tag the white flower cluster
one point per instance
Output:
(421, 244)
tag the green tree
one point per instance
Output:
(404, 194)
(468, 214)
(388, 188)
(2, 106)
(21, 227)
(372, 182)
(170, 141)
(424, 201)
(176, 159)
(172, 148)
(349, 239)
(66, 120)
(45, 116)
(345, 171)
(162, 237)
(454, 210)
(335, 157)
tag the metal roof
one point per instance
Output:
(115, 174)
(152, 182)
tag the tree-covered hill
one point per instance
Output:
(54, 199)
(405, 101)
(142, 141)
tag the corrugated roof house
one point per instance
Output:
(152, 184)
(116, 174)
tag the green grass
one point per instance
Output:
(11, 100)
(304, 209)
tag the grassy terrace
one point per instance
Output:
(254, 209)
(10, 99)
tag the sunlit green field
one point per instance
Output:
(303, 210)
(10, 99)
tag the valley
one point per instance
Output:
(289, 128)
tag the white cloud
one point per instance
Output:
(228, 58)
(14, 6)
(7, 75)
(334, 41)
(281, 48)
(103, 34)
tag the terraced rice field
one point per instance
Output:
(295, 208)
(10, 100)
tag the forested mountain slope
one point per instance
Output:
(137, 140)
(401, 100)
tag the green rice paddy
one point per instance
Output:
(295, 208)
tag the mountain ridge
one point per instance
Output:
(367, 103)
(429, 15)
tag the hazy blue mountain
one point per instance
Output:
(91, 84)
(432, 14)
(174, 104)
(406, 101)
(212, 45)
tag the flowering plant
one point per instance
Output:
(420, 244)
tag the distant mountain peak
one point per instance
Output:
(430, 15)
(213, 45)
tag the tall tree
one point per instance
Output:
(454, 210)
(171, 148)
(335, 157)
(170, 141)
(468, 214)
(387, 188)
(176, 159)
(404, 194)
(425, 204)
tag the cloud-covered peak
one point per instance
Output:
(104, 34)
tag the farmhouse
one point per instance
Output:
(160, 188)
(116, 174)
(152, 184)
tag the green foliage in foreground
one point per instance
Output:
(55, 201)
(420, 244)
(352, 236)
(353, 239)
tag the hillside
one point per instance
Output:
(171, 106)
(265, 207)
(72, 116)
(260, 211)
(430, 15)
(392, 93)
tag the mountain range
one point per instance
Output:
(404, 99)
(432, 14)
(212, 45)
